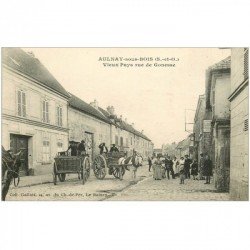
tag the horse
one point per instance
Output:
(10, 170)
(128, 160)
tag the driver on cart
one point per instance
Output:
(103, 148)
(81, 150)
(114, 148)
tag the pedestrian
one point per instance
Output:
(175, 166)
(187, 163)
(157, 167)
(201, 166)
(181, 170)
(207, 169)
(149, 163)
(169, 167)
(135, 165)
(194, 170)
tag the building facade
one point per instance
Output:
(34, 111)
(239, 124)
(217, 92)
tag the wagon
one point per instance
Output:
(108, 163)
(65, 164)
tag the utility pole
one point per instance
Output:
(188, 123)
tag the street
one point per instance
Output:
(144, 189)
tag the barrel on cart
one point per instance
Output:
(108, 163)
(66, 164)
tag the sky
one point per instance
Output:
(153, 98)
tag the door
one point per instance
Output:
(18, 142)
(89, 145)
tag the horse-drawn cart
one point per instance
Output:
(65, 164)
(109, 163)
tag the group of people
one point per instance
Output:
(164, 166)
(103, 148)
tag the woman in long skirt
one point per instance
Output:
(158, 168)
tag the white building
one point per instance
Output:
(34, 111)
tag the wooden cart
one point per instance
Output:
(65, 164)
(108, 163)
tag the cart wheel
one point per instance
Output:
(100, 167)
(117, 173)
(62, 177)
(86, 164)
(54, 175)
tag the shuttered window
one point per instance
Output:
(116, 140)
(21, 103)
(59, 147)
(121, 141)
(246, 52)
(59, 116)
(46, 111)
(246, 125)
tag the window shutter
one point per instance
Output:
(19, 109)
(61, 116)
(47, 111)
(57, 115)
(23, 104)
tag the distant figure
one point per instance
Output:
(207, 170)
(187, 163)
(135, 165)
(181, 170)
(73, 148)
(157, 167)
(114, 148)
(176, 166)
(201, 166)
(103, 148)
(81, 148)
(169, 167)
(194, 170)
(149, 163)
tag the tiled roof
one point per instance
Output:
(27, 64)
(124, 125)
(79, 104)
(223, 64)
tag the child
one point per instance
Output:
(181, 170)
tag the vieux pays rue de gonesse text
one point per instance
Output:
(124, 62)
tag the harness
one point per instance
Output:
(14, 174)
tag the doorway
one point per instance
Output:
(18, 142)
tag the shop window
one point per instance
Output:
(59, 147)
(46, 151)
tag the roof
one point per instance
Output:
(79, 104)
(123, 125)
(224, 66)
(200, 101)
(27, 64)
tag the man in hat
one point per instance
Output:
(81, 148)
(187, 164)
(103, 148)
(114, 148)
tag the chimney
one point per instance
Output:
(132, 124)
(121, 117)
(94, 104)
(31, 53)
(142, 131)
(111, 110)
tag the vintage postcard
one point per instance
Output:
(124, 124)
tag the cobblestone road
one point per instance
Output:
(113, 189)
(169, 190)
